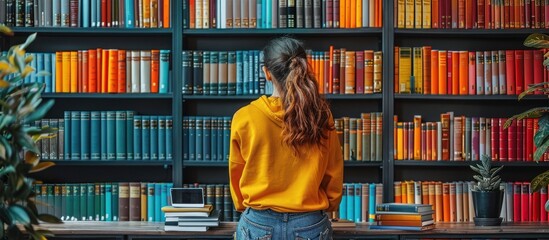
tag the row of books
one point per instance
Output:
(424, 70)
(283, 14)
(122, 201)
(471, 14)
(341, 71)
(111, 135)
(460, 138)
(361, 138)
(86, 13)
(218, 196)
(206, 138)
(103, 71)
(359, 200)
(452, 201)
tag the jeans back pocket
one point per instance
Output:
(249, 230)
(318, 231)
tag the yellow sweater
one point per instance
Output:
(265, 174)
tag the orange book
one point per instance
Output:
(395, 149)
(342, 15)
(442, 72)
(411, 223)
(434, 72)
(404, 191)
(432, 200)
(155, 64)
(358, 14)
(112, 77)
(320, 69)
(146, 14)
(79, 79)
(352, 13)
(121, 83)
(405, 142)
(330, 70)
(400, 141)
(192, 14)
(439, 216)
(396, 67)
(410, 192)
(92, 71)
(85, 67)
(73, 85)
(455, 73)
(378, 14)
(400, 217)
(350, 72)
(58, 72)
(463, 72)
(446, 202)
(397, 196)
(66, 68)
(104, 70)
(378, 71)
(167, 14)
(99, 70)
(434, 14)
(426, 69)
(417, 137)
(424, 192)
(372, 12)
(453, 204)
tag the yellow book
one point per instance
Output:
(400, 13)
(418, 69)
(378, 71)
(58, 72)
(74, 72)
(404, 191)
(410, 16)
(66, 75)
(417, 137)
(426, 14)
(404, 69)
(400, 141)
(169, 209)
(146, 13)
(418, 19)
(143, 190)
(410, 194)
(358, 13)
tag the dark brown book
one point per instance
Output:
(73, 13)
(123, 201)
(135, 201)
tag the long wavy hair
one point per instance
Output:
(306, 113)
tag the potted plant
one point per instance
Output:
(487, 196)
(541, 137)
(20, 104)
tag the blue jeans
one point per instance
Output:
(268, 224)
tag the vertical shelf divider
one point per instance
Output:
(177, 101)
(387, 101)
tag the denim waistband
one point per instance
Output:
(279, 215)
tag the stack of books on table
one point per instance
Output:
(190, 219)
(402, 216)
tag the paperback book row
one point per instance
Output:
(206, 138)
(218, 196)
(86, 13)
(338, 71)
(361, 138)
(108, 135)
(471, 14)
(103, 71)
(282, 14)
(122, 201)
(452, 201)
(424, 70)
(358, 202)
(404, 216)
(460, 138)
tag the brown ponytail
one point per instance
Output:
(307, 114)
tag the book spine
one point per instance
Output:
(153, 137)
(120, 135)
(145, 137)
(150, 202)
(145, 69)
(169, 139)
(162, 138)
(85, 135)
(137, 137)
(164, 86)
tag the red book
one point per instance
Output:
(534, 214)
(515, 20)
(455, 73)
(449, 13)
(449, 62)
(525, 202)
(528, 68)
(472, 73)
(488, 14)
(516, 202)
(519, 71)
(512, 142)
(475, 15)
(510, 71)
(529, 139)
(494, 138)
(527, 13)
(435, 23)
(538, 67)
(104, 13)
(543, 199)
(359, 72)
(84, 72)
(442, 13)
(506, 13)
(536, 6)
(520, 140)
(502, 140)
(469, 14)
(108, 22)
(546, 18)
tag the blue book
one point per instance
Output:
(162, 138)
(48, 69)
(98, 13)
(239, 73)
(40, 67)
(192, 138)
(129, 13)
(56, 13)
(108, 202)
(357, 202)
(372, 202)
(262, 80)
(114, 202)
(259, 14)
(245, 72)
(350, 201)
(198, 138)
(256, 73)
(343, 203)
(52, 70)
(213, 138)
(137, 130)
(153, 138)
(104, 135)
(67, 137)
(164, 71)
(220, 156)
(157, 202)
(129, 135)
(169, 139)
(57, 200)
(65, 13)
(150, 202)
(226, 137)
(83, 202)
(76, 202)
(120, 135)
(75, 135)
(85, 13)
(90, 201)
(206, 138)
(251, 70)
(145, 137)
(93, 13)
(111, 135)
(85, 135)
(268, 7)
(163, 199)
(185, 138)
(404, 207)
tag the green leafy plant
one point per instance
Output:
(487, 178)
(541, 137)
(20, 104)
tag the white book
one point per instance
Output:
(452, 132)
(365, 13)
(459, 202)
(439, 141)
(145, 67)
(222, 13)
(509, 201)
(135, 71)
(186, 229)
(417, 192)
(206, 14)
(471, 205)
(503, 213)
(199, 17)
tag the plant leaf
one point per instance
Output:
(19, 214)
(42, 166)
(540, 181)
(541, 135)
(547, 206)
(531, 113)
(49, 218)
(32, 158)
(29, 40)
(537, 40)
(6, 170)
(39, 112)
(540, 151)
(6, 30)
(532, 88)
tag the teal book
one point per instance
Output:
(245, 72)
(163, 200)
(120, 135)
(222, 85)
(50, 198)
(226, 137)
(50, 58)
(260, 14)
(357, 202)
(343, 203)
(153, 138)
(63, 201)
(114, 202)
(214, 73)
(350, 201)
(57, 200)
(69, 213)
(372, 202)
(150, 202)
(192, 138)
(83, 202)
(108, 202)
(169, 138)
(199, 129)
(402, 228)
(220, 156)
(129, 13)
(97, 201)
(95, 135)
(185, 126)
(111, 135)
(404, 207)
(256, 72)
(76, 215)
(157, 202)
(75, 135)
(231, 83)
(206, 72)
(164, 71)
(268, 7)
(239, 73)
(206, 138)
(213, 138)
(103, 197)
(218, 198)
(145, 137)
(104, 135)
(85, 135)
(90, 202)
(85, 13)
(129, 135)
(137, 129)
(162, 138)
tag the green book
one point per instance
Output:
(76, 202)
(83, 202)
(68, 204)
(114, 199)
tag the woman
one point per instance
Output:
(286, 165)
